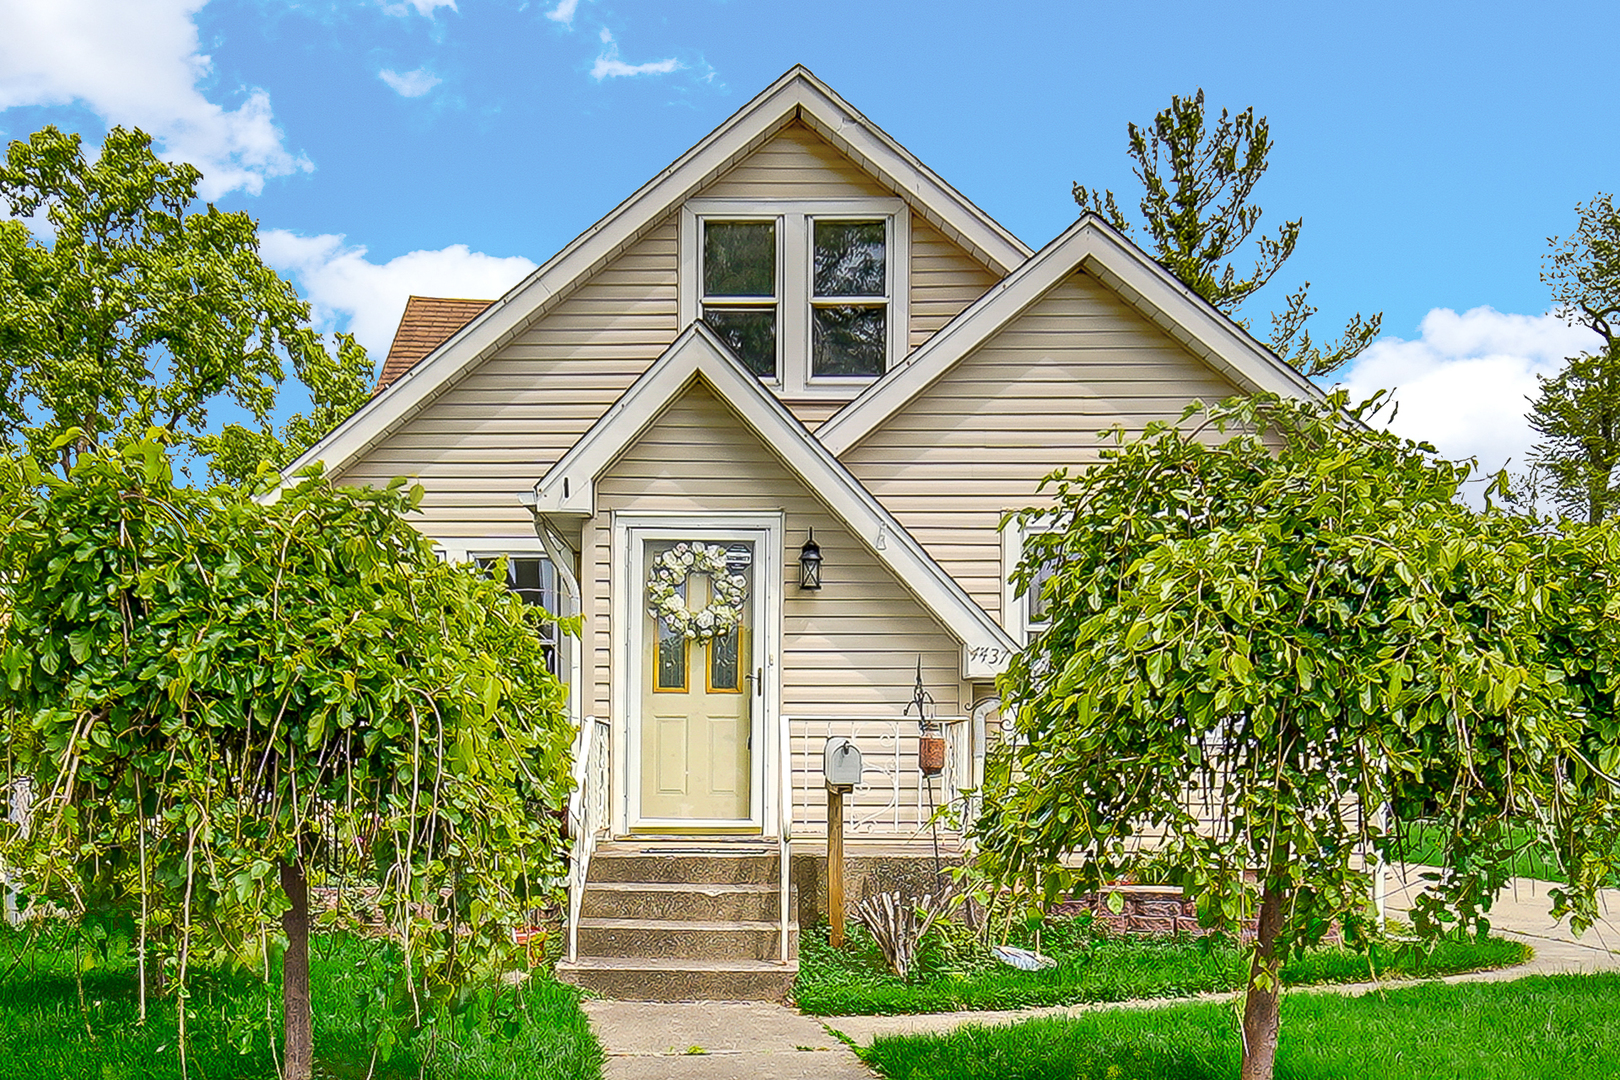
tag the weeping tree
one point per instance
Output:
(231, 714)
(1276, 636)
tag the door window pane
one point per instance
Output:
(751, 334)
(739, 258)
(669, 664)
(725, 669)
(848, 340)
(849, 258)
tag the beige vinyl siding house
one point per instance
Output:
(795, 338)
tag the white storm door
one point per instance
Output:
(699, 620)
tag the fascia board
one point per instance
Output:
(569, 485)
(1216, 338)
(857, 136)
(697, 353)
(1144, 284)
(955, 340)
(795, 94)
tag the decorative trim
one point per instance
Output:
(569, 486)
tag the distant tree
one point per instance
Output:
(1276, 637)
(1577, 411)
(221, 706)
(131, 309)
(1202, 214)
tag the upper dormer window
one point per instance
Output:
(810, 294)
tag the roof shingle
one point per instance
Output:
(428, 322)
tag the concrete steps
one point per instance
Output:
(627, 979)
(678, 921)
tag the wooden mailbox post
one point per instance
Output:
(841, 770)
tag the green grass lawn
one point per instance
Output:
(45, 1033)
(1534, 859)
(1564, 1026)
(955, 974)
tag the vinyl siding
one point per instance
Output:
(496, 432)
(944, 280)
(850, 651)
(1032, 398)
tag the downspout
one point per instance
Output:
(562, 559)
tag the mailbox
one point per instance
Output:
(841, 762)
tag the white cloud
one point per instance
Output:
(410, 83)
(402, 8)
(138, 63)
(609, 66)
(347, 291)
(1465, 383)
(564, 12)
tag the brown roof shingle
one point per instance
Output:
(428, 322)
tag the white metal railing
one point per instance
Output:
(894, 799)
(587, 814)
(959, 775)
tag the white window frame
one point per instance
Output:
(795, 250)
(1014, 604)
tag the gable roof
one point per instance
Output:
(797, 95)
(1094, 246)
(428, 322)
(697, 355)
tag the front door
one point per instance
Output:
(695, 648)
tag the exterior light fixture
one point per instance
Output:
(810, 564)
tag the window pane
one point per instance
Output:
(849, 258)
(751, 333)
(724, 670)
(739, 258)
(669, 665)
(849, 340)
(535, 582)
(1036, 613)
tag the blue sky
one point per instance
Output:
(396, 146)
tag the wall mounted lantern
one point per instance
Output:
(810, 564)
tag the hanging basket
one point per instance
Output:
(931, 755)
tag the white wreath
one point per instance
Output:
(728, 591)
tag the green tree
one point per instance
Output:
(1577, 411)
(220, 706)
(1200, 215)
(133, 309)
(1275, 636)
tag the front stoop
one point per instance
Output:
(683, 922)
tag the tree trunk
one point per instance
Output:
(1262, 1005)
(298, 1051)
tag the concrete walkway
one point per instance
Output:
(718, 1040)
(736, 1040)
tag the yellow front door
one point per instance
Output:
(695, 655)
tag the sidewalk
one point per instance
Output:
(746, 1040)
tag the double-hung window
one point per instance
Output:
(534, 580)
(810, 294)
